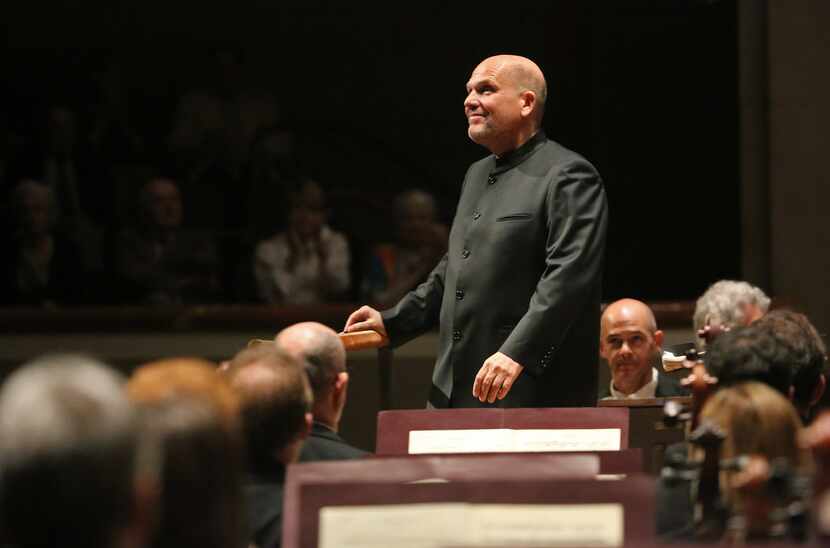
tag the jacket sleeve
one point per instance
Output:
(419, 310)
(576, 224)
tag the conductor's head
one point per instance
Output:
(505, 102)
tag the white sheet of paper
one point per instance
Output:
(502, 440)
(443, 524)
(460, 441)
(382, 526)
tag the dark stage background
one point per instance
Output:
(646, 90)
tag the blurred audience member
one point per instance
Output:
(42, 266)
(420, 241)
(271, 168)
(161, 262)
(113, 138)
(783, 351)
(60, 159)
(199, 157)
(320, 350)
(631, 344)
(727, 304)
(309, 262)
(75, 469)
(276, 418)
(194, 414)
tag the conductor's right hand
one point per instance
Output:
(366, 318)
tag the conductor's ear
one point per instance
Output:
(528, 99)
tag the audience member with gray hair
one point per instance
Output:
(322, 353)
(729, 303)
(75, 469)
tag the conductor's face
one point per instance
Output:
(493, 106)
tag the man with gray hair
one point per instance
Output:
(320, 350)
(728, 304)
(75, 471)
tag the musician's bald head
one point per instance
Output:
(505, 102)
(630, 342)
(319, 349)
(630, 310)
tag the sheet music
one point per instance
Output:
(567, 439)
(502, 440)
(448, 524)
(496, 440)
(382, 526)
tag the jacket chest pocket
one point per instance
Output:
(514, 217)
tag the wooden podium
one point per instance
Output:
(394, 427)
(634, 496)
(405, 470)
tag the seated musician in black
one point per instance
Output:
(276, 418)
(322, 353)
(631, 344)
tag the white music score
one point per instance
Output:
(505, 440)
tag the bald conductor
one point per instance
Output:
(516, 297)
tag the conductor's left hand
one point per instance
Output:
(496, 378)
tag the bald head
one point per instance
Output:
(526, 76)
(630, 342)
(505, 102)
(318, 347)
(522, 73)
(628, 310)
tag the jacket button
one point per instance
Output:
(456, 335)
(465, 253)
(459, 294)
(476, 216)
(491, 179)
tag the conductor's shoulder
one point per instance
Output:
(557, 154)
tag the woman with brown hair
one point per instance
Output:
(762, 429)
(193, 413)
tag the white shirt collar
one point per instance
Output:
(647, 391)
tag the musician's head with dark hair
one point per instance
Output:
(805, 351)
(276, 404)
(750, 354)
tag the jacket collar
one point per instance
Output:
(517, 156)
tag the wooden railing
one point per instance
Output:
(222, 317)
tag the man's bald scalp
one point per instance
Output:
(632, 306)
(527, 76)
(318, 347)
